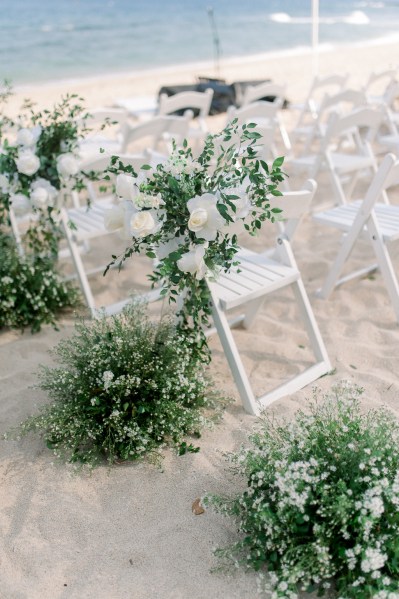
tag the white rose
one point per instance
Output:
(20, 204)
(205, 217)
(144, 223)
(198, 219)
(126, 187)
(25, 137)
(242, 204)
(39, 197)
(28, 137)
(166, 248)
(27, 163)
(193, 262)
(114, 218)
(52, 192)
(67, 165)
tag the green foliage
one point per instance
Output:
(31, 293)
(227, 184)
(124, 388)
(321, 510)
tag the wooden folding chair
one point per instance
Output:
(259, 275)
(369, 219)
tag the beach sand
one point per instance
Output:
(128, 532)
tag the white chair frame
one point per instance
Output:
(376, 222)
(258, 276)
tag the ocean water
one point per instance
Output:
(42, 40)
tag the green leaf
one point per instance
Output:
(278, 162)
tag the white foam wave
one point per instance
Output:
(280, 17)
(46, 28)
(357, 17)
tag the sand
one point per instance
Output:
(128, 532)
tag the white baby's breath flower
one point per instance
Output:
(205, 219)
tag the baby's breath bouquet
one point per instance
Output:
(321, 509)
(186, 213)
(123, 388)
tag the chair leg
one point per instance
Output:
(311, 325)
(84, 283)
(336, 269)
(233, 358)
(251, 312)
(386, 267)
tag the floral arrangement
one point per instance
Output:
(186, 213)
(31, 292)
(39, 162)
(321, 509)
(124, 388)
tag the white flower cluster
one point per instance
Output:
(139, 214)
(323, 500)
(40, 192)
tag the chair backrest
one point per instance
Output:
(175, 127)
(345, 100)
(107, 119)
(368, 120)
(378, 82)
(186, 100)
(294, 206)
(346, 146)
(257, 112)
(333, 83)
(264, 90)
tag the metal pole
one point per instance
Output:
(315, 37)
(216, 40)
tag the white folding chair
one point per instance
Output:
(309, 110)
(342, 103)
(82, 224)
(193, 101)
(157, 131)
(376, 85)
(368, 219)
(263, 114)
(276, 93)
(257, 276)
(108, 129)
(388, 138)
(345, 151)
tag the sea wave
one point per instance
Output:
(357, 17)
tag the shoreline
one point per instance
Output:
(225, 63)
